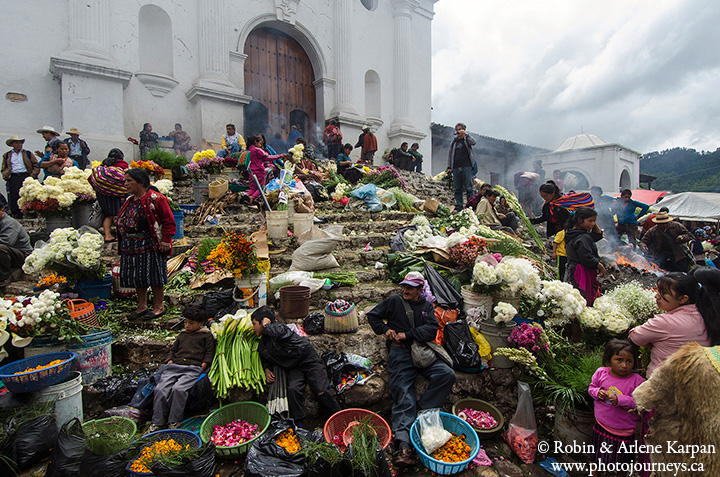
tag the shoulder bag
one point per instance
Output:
(424, 354)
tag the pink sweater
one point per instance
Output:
(615, 418)
(669, 331)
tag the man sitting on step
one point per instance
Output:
(14, 247)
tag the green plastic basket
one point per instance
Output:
(252, 412)
(108, 425)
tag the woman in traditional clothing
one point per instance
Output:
(258, 158)
(108, 180)
(145, 227)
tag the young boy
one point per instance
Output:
(190, 355)
(279, 345)
(559, 253)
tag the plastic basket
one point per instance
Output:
(340, 421)
(36, 380)
(108, 425)
(83, 311)
(345, 322)
(478, 405)
(249, 411)
(180, 436)
(452, 424)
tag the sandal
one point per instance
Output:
(149, 316)
(137, 314)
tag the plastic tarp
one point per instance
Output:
(645, 196)
(692, 205)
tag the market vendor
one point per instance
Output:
(14, 247)
(345, 165)
(281, 346)
(258, 158)
(392, 319)
(145, 226)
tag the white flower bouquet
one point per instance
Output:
(639, 302)
(557, 303)
(74, 254)
(57, 194)
(504, 312)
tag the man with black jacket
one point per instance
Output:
(281, 346)
(462, 165)
(391, 319)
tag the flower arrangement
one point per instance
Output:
(557, 303)
(341, 190)
(165, 186)
(297, 152)
(385, 177)
(149, 166)
(56, 195)
(69, 252)
(638, 301)
(206, 165)
(238, 255)
(206, 154)
(51, 280)
(464, 254)
(414, 238)
(525, 358)
(504, 313)
(608, 315)
(27, 317)
(531, 337)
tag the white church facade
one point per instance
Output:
(107, 67)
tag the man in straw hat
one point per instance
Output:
(405, 319)
(17, 165)
(51, 136)
(666, 242)
(79, 149)
(368, 142)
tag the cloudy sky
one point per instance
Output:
(642, 73)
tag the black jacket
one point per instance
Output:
(282, 346)
(556, 220)
(580, 248)
(390, 314)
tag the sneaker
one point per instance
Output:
(153, 428)
(174, 425)
(404, 458)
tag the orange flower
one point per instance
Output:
(454, 450)
(288, 441)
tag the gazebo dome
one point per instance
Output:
(581, 141)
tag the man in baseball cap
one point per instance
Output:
(404, 319)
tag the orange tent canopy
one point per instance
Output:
(648, 197)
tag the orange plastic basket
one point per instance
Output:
(83, 311)
(339, 422)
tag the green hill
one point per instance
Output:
(683, 169)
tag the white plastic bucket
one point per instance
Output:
(67, 398)
(251, 291)
(476, 300)
(277, 224)
(302, 223)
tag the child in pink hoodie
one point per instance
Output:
(611, 387)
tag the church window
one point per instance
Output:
(372, 94)
(156, 55)
(369, 4)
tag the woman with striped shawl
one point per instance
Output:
(108, 180)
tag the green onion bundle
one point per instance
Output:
(237, 362)
(404, 200)
(343, 279)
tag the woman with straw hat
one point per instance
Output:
(17, 165)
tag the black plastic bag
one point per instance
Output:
(219, 303)
(120, 389)
(94, 465)
(30, 442)
(445, 294)
(461, 347)
(265, 458)
(200, 397)
(68, 451)
(314, 323)
(397, 244)
(335, 365)
(203, 466)
(318, 192)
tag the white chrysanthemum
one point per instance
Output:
(484, 274)
(504, 312)
(457, 239)
(165, 187)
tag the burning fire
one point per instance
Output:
(638, 262)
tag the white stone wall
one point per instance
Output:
(207, 46)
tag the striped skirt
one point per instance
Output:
(601, 436)
(142, 270)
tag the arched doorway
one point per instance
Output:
(625, 182)
(278, 76)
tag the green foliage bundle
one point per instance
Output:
(165, 159)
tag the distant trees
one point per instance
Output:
(683, 169)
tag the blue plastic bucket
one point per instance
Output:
(89, 289)
(94, 356)
(179, 224)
